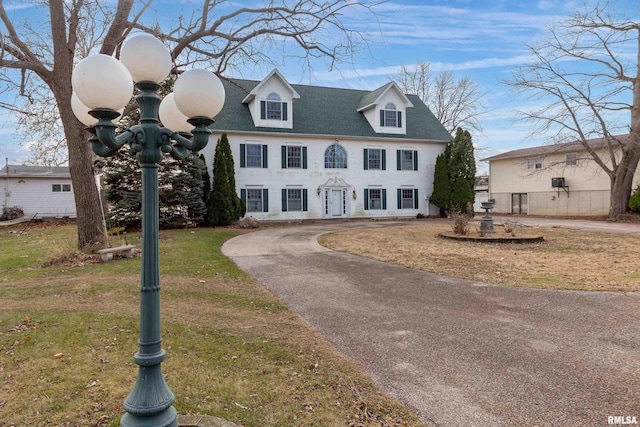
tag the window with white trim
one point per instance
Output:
(254, 200)
(408, 198)
(294, 199)
(407, 160)
(374, 158)
(254, 155)
(61, 188)
(375, 198)
(274, 107)
(534, 163)
(335, 157)
(294, 156)
(390, 116)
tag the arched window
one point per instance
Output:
(390, 115)
(335, 157)
(274, 107)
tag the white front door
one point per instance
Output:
(337, 203)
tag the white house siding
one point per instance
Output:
(587, 192)
(357, 179)
(35, 196)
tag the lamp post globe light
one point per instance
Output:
(103, 85)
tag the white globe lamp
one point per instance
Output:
(146, 58)
(199, 93)
(171, 117)
(101, 81)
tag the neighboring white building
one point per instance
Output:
(305, 152)
(558, 180)
(38, 190)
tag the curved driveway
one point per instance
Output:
(459, 353)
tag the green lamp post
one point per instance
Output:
(103, 85)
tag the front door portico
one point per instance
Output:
(335, 198)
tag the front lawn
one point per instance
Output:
(68, 334)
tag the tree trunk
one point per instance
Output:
(91, 233)
(622, 182)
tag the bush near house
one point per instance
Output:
(634, 201)
(9, 213)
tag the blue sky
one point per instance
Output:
(482, 39)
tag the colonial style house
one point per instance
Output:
(306, 152)
(38, 190)
(558, 180)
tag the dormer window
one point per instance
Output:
(273, 108)
(390, 116)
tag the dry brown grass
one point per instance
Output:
(567, 259)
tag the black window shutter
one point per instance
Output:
(263, 110)
(384, 198)
(366, 199)
(305, 200)
(284, 157)
(284, 111)
(265, 200)
(242, 155)
(284, 200)
(243, 195)
(381, 117)
(265, 152)
(366, 159)
(304, 157)
(398, 159)
(384, 159)
(415, 160)
(399, 198)
(399, 119)
(415, 199)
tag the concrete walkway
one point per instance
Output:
(457, 352)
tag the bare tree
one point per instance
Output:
(587, 77)
(214, 35)
(456, 103)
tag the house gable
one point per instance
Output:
(270, 102)
(386, 109)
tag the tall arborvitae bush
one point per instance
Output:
(441, 196)
(454, 175)
(224, 207)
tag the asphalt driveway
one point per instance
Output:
(459, 353)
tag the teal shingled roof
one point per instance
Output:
(325, 111)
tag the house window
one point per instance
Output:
(294, 200)
(255, 199)
(407, 160)
(375, 198)
(58, 188)
(253, 156)
(335, 157)
(571, 159)
(534, 163)
(374, 158)
(407, 198)
(274, 107)
(294, 156)
(390, 116)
